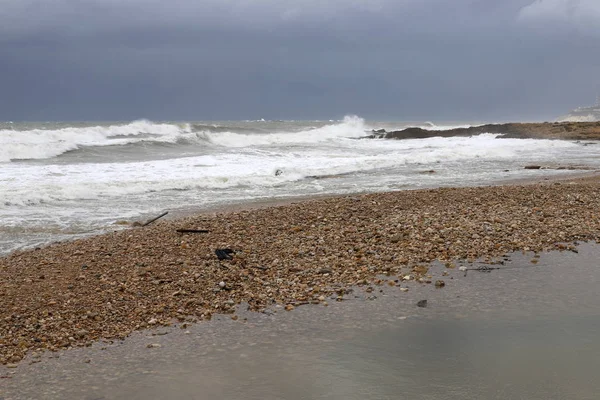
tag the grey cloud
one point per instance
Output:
(582, 16)
(184, 59)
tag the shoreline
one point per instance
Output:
(74, 293)
(510, 130)
(257, 204)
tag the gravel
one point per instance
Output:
(75, 293)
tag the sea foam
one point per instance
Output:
(47, 143)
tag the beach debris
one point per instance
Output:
(224, 254)
(440, 284)
(422, 303)
(155, 218)
(193, 231)
(533, 167)
(154, 346)
(278, 172)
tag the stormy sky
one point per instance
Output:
(438, 60)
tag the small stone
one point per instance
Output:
(422, 303)
(289, 307)
(11, 365)
(153, 346)
(221, 284)
(440, 284)
(321, 298)
(152, 321)
(404, 289)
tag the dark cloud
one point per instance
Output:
(238, 59)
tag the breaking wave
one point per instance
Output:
(49, 143)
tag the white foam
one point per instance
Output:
(350, 127)
(248, 168)
(579, 118)
(46, 143)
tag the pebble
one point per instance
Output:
(132, 276)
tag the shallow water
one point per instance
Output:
(527, 331)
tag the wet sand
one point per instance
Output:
(523, 331)
(75, 293)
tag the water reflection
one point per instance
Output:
(523, 333)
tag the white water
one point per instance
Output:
(82, 178)
(48, 143)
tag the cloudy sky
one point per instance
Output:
(439, 60)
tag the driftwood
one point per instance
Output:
(193, 231)
(155, 218)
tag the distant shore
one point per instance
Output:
(546, 130)
(74, 293)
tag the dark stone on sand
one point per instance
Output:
(224, 254)
(422, 303)
(533, 167)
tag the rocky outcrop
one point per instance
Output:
(546, 130)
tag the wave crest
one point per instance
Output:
(48, 143)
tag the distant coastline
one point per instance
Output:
(546, 130)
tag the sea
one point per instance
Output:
(60, 181)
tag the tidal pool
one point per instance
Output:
(525, 331)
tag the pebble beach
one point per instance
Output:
(75, 293)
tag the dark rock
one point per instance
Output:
(533, 166)
(564, 131)
(224, 254)
(422, 303)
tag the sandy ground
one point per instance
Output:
(75, 293)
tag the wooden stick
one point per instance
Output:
(155, 218)
(193, 230)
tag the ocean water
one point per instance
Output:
(62, 180)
